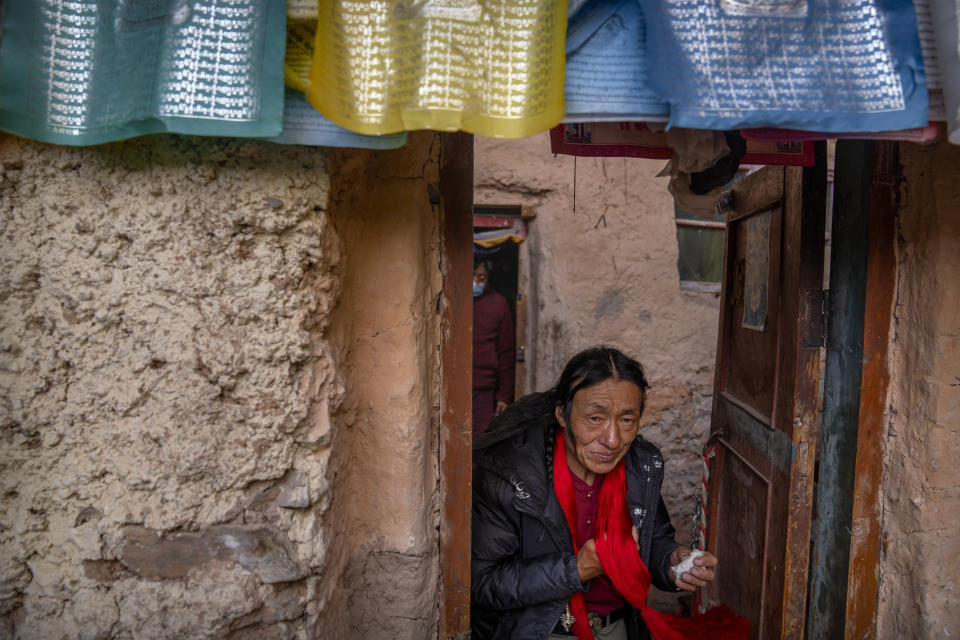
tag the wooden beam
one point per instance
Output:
(863, 580)
(456, 346)
(841, 395)
(700, 224)
(805, 192)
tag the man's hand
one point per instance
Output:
(501, 407)
(702, 571)
(588, 564)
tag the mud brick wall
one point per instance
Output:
(170, 394)
(920, 548)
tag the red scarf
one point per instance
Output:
(617, 552)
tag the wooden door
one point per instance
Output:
(765, 397)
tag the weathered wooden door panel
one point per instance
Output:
(751, 342)
(765, 396)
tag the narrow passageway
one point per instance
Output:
(601, 264)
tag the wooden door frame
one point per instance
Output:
(863, 584)
(805, 370)
(456, 362)
(844, 579)
(841, 396)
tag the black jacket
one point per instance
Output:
(523, 565)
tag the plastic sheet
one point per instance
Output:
(490, 67)
(90, 71)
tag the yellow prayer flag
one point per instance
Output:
(299, 54)
(490, 67)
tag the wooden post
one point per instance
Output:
(841, 396)
(863, 580)
(456, 347)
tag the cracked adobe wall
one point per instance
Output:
(603, 269)
(164, 385)
(920, 561)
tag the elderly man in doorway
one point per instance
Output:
(569, 529)
(494, 359)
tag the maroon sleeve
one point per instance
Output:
(506, 357)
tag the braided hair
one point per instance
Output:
(549, 442)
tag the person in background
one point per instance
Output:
(494, 360)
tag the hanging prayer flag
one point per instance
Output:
(607, 75)
(302, 124)
(931, 63)
(947, 37)
(301, 33)
(822, 65)
(90, 71)
(515, 233)
(492, 67)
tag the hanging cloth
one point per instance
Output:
(302, 124)
(516, 233)
(490, 67)
(617, 552)
(91, 71)
(606, 76)
(821, 65)
(945, 19)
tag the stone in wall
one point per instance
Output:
(260, 550)
(165, 388)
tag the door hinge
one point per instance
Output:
(815, 318)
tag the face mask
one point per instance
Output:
(477, 289)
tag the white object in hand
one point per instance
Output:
(687, 564)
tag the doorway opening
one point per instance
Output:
(496, 231)
(499, 231)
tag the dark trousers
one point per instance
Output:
(484, 403)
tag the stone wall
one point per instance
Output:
(919, 574)
(171, 395)
(600, 266)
